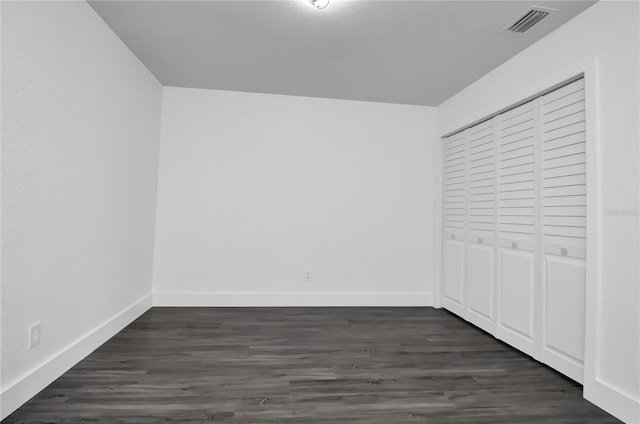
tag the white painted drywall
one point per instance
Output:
(608, 31)
(255, 189)
(80, 141)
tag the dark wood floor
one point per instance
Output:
(308, 365)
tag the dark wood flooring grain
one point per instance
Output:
(308, 365)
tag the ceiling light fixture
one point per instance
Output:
(319, 4)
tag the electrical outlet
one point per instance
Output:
(34, 335)
(307, 276)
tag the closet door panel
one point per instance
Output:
(481, 225)
(564, 231)
(517, 165)
(455, 206)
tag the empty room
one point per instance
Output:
(320, 211)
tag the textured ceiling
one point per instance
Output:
(412, 52)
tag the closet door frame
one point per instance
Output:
(438, 166)
(594, 388)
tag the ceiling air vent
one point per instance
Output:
(528, 18)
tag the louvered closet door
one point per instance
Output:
(564, 228)
(517, 158)
(454, 223)
(481, 192)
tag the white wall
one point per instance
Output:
(80, 140)
(255, 189)
(608, 31)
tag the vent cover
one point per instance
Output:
(528, 18)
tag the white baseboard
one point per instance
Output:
(19, 392)
(615, 402)
(230, 299)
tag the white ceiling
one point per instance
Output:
(412, 52)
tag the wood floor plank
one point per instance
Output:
(308, 365)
